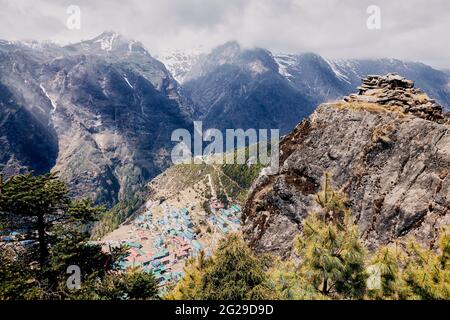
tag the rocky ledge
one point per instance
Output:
(393, 166)
(393, 90)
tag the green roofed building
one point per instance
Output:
(235, 208)
(161, 254)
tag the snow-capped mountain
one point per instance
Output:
(109, 42)
(100, 112)
(237, 88)
(180, 62)
(313, 75)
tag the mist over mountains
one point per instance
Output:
(101, 111)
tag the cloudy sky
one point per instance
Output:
(410, 29)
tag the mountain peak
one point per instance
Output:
(227, 50)
(109, 33)
(108, 42)
(231, 45)
(180, 62)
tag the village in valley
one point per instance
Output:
(161, 239)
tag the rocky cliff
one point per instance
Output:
(387, 148)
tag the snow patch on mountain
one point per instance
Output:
(335, 67)
(180, 62)
(257, 67)
(107, 41)
(285, 61)
(52, 102)
(347, 66)
(128, 82)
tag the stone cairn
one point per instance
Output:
(393, 91)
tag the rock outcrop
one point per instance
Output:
(386, 149)
(394, 91)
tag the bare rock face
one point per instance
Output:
(392, 162)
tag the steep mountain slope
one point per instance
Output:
(108, 104)
(237, 88)
(179, 62)
(130, 55)
(187, 179)
(28, 139)
(314, 76)
(387, 148)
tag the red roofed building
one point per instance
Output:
(181, 254)
(216, 204)
(166, 260)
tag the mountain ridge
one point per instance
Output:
(102, 110)
(111, 113)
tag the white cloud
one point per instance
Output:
(411, 29)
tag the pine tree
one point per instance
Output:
(40, 208)
(385, 274)
(132, 284)
(286, 283)
(189, 287)
(34, 204)
(140, 285)
(427, 272)
(330, 249)
(234, 274)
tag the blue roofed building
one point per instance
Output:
(158, 242)
(188, 235)
(235, 208)
(221, 222)
(189, 224)
(197, 246)
(222, 228)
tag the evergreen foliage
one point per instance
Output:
(385, 280)
(234, 273)
(427, 272)
(57, 234)
(332, 263)
(189, 287)
(332, 254)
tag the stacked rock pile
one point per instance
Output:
(393, 90)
